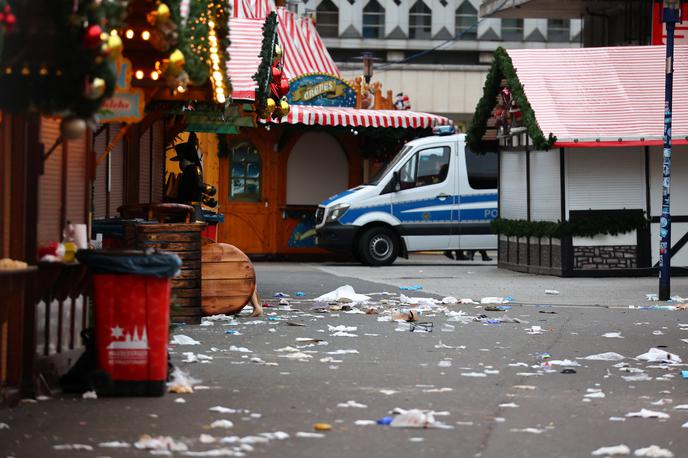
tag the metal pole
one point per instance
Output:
(671, 17)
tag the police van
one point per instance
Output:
(436, 194)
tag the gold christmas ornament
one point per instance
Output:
(282, 109)
(277, 55)
(114, 46)
(175, 65)
(72, 128)
(159, 16)
(95, 89)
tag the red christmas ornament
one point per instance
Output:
(91, 38)
(10, 20)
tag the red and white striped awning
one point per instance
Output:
(590, 97)
(352, 117)
(304, 50)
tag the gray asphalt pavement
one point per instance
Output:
(484, 381)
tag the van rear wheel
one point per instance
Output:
(378, 246)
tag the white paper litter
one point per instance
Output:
(341, 328)
(365, 422)
(645, 413)
(613, 335)
(607, 356)
(685, 425)
(89, 395)
(310, 435)
(343, 292)
(114, 444)
(449, 300)
(493, 300)
(343, 334)
(354, 404)
(239, 349)
(527, 430)
(83, 447)
(221, 409)
(512, 405)
(225, 424)
(612, 450)
(473, 374)
(181, 339)
(4, 426)
(181, 382)
(552, 292)
(637, 378)
(388, 392)
(595, 395)
(342, 352)
(415, 418)
(160, 443)
(655, 355)
(654, 451)
(678, 407)
(427, 301)
(444, 363)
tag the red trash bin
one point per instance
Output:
(131, 292)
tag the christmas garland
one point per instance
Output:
(193, 37)
(588, 226)
(264, 73)
(503, 68)
(77, 76)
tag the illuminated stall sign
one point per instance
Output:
(127, 103)
(320, 89)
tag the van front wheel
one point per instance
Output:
(378, 246)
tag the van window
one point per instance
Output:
(481, 169)
(426, 167)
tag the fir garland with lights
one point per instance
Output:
(587, 226)
(503, 68)
(194, 39)
(65, 70)
(264, 73)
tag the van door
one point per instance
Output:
(477, 201)
(423, 203)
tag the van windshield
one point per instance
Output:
(385, 170)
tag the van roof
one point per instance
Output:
(430, 139)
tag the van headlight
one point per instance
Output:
(336, 212)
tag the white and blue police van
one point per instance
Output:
(436, 194)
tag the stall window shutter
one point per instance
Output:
(76, 210)
(158, 163)
(116, 173)
(145, 167)
(100, 184)
(50, 184)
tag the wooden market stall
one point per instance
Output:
(580, 158)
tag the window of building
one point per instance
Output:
(428, 166)
(327, 19)
(420, 21)
(373, 20)
(245, 173)
(482, 169)
(558, 30)
(466, 21)
(512, 29)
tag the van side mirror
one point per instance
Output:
(396, 181)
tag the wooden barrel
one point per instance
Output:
(227, 279)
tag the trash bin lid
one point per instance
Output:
(154, 263)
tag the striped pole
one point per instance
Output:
(670, 15)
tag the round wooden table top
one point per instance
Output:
(227, 279)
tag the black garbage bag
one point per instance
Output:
(155, 263)
(76, 380)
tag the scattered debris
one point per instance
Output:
(645, 413)
(89, 395)
(225, 424)
(181, 339)
(160, 443)
(608, 356)
(322, 426)
(612, 450)
(352, 404)
(655, 355)
(654, 451)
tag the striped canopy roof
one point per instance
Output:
(603, 96)
(351, 117)
(304, 51)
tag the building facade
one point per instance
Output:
(435, 51)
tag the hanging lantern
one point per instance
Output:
(72, 128)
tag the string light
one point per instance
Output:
(154, 75)
(129, 34)
(139, 74)
(145, 35)
(217, 80)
